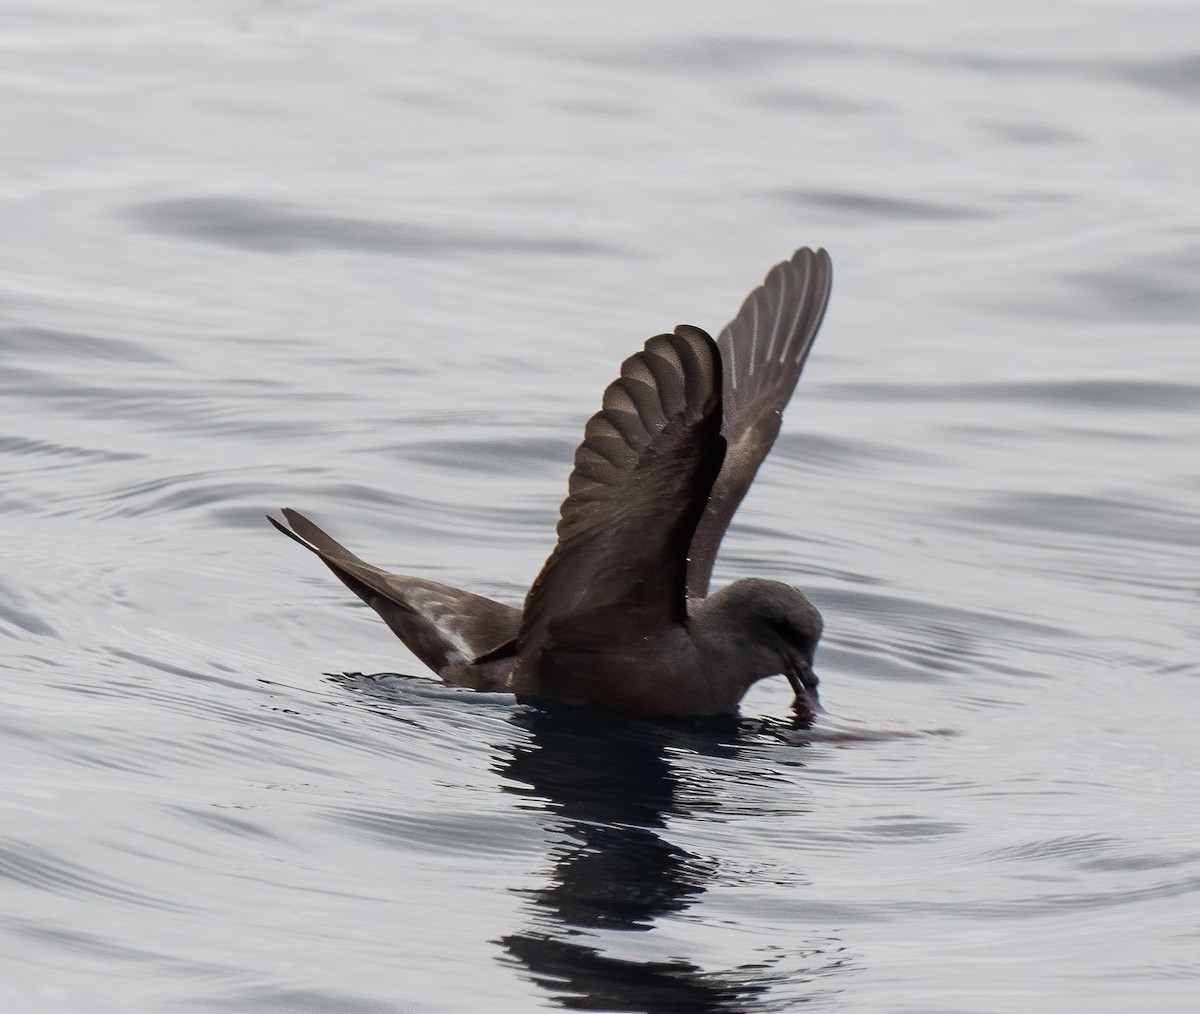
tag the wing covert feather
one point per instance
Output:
(641, 479)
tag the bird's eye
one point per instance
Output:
(782, 628)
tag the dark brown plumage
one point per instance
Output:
(618, 618)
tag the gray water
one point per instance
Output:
(377, 261)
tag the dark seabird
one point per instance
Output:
(620, 617)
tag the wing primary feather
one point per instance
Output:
(763, 350)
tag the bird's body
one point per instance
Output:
(620, 617)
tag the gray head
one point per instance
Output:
(767, 628)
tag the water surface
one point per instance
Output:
(377, 262)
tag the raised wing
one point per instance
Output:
(641, 479)
(763, 350)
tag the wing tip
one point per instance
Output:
(279, 526)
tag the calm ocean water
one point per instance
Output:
(377, 261)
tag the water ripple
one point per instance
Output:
(276, 227)
(873, 206)
(47, 343)
(40, 869)
(1061, 395)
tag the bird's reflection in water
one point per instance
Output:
(610, 788)
(581, 978)
(613, 787)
